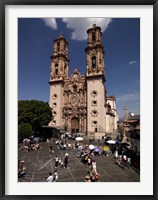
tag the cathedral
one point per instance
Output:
(79, 102)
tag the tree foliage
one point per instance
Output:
(32, 114)
(25, 129)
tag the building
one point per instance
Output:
(79, 102)
(132, 132)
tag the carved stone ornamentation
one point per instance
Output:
(74, 100)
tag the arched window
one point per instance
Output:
(93, 62)
(93, 37)
(58, 44)
(75, 88)
(56, 68)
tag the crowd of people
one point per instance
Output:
(86, 153)
(29, 145)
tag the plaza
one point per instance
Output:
(40, 162)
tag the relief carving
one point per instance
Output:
(74, 100)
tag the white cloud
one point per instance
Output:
(128, 97)
(79, 25)
(51, 22)
(132, 62)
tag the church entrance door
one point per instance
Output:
(75, 125)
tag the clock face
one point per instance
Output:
(75, 75)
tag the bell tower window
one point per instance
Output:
(58, 46)
(93, 37)
(93, 62)
(56, 68)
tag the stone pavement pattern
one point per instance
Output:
(40, 162)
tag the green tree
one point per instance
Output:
(25, 129)
(32, 114)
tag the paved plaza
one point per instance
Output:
(40, 162)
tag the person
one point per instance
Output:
(55, 175)
(51, 149)
(87, 179)
(116, 154)
(89, 161)
(59, 161)
(21, 170)
(94, 166)
(56, 161)
(69, 145)
(62, 164)
(92, 176)
(123, 161)
(50, 177)
(66, 160)
(47, 141)
(97, 178)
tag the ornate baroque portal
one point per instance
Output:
(74, 125)
(74, 110)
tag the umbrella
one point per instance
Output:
(91, 146)
(79, 138)
(111, 142)
(97, 149)
(118, 142)
(124, 144)
(106, 148)
(26, 140)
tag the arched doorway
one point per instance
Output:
(75, 125)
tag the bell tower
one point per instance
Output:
(58, 73)
(95, 52)
(59, 59)
(95, 83)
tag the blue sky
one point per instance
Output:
(121, 39)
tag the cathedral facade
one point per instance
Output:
(79, 102)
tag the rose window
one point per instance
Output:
(55, 96)
(54, 122)
(54, 113)
(54, 104)
(94, 113)
(94, 123)
(94, 103)
(94, 93)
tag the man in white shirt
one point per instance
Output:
(50, 177)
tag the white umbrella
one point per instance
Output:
(111, 142)
(26, 140)
(79, 139)
(91, 146)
